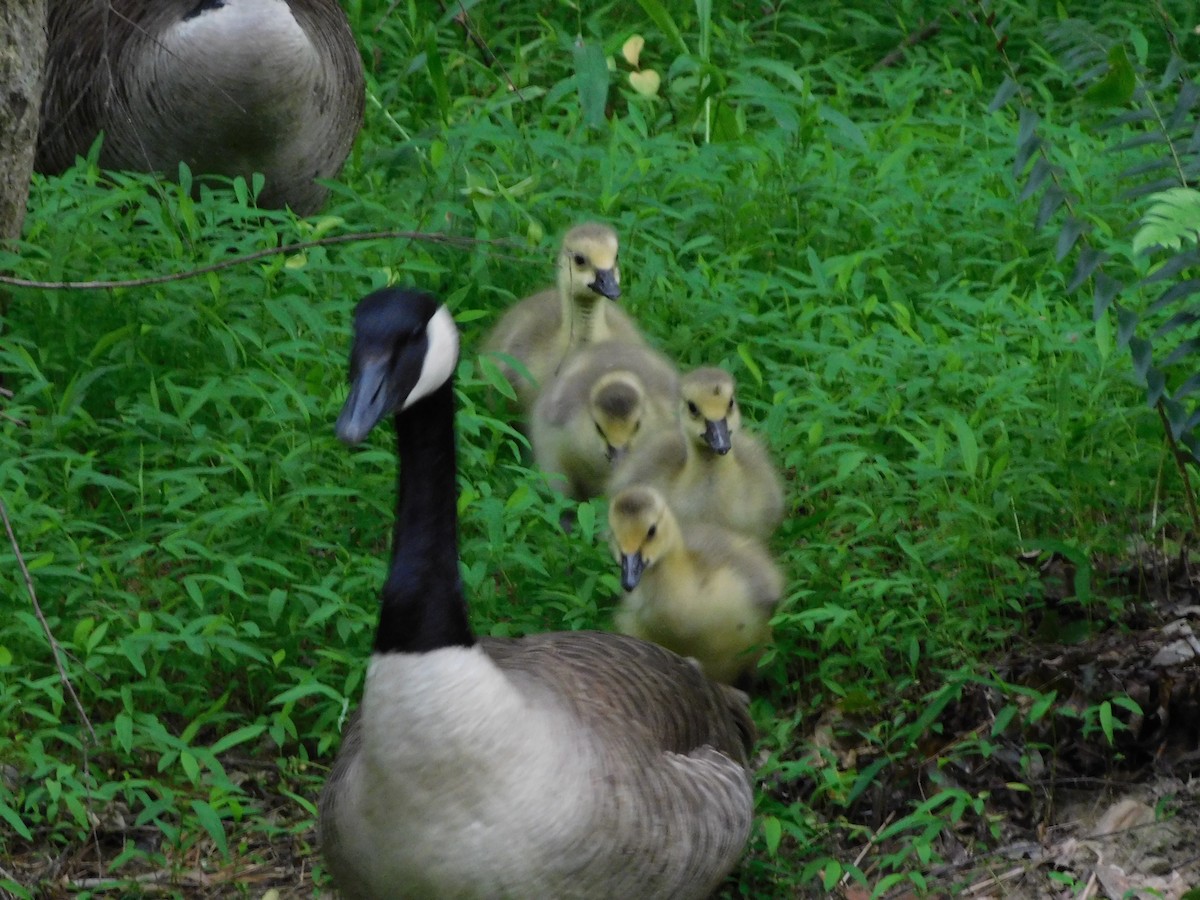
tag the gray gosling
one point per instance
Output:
(709, 469)
(579, 764)
(608, 397)
(542, 330)
(230, 87)
(700, 590)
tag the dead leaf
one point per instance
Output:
(1124, 814)
(632, 49)
(645, 82)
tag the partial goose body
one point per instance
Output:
(542, 330)
(608, 397)
(709, 469)
(230, 87)
(572, 765)
(700, 590)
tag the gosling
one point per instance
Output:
(709, 469)
(609, 397)
(540, 331)
(700, 590)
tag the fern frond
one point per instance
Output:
(1172, 219)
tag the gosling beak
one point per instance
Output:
(606, 284)
(632, 567)
(367, 402)
(716, 434)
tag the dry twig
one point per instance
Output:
(7, 394)
(56, 651)
(911, 40)
(37, 609)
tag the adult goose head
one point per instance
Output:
(230, 87)
(574, 765)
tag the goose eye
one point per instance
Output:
(580, 260)
(693, 408)
(652, 530)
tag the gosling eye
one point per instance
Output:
(731, 404)
(652, 530)
(693, 409)
(580, 260)
(599, 430)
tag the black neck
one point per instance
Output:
(423, 607)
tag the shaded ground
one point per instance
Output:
(1066, 814)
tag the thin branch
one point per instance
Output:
(8, 395)
(450, 240)
(160, 877)
(37, 609)
(62, 674)
(917, 37)
(867, 847)
(463, 20)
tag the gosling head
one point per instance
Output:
(710, 413)
(587, 263)
(615, 403)
(643, 530)
(405, 348)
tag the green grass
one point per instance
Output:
(850, 242)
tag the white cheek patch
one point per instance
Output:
(440, 357)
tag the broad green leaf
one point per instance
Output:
(844, 126)
(437, 74)
(1041, 706)
(211, 822)
(1117, 85)
(591, 78)
(659, 15)
(968, 445)
(240, 736)
(123, 729)
(10, 815)
(772, 833)
(1128, 703)
(832, 875)
(585, 517)
(308, 689)
(743, 351)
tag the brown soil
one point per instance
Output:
(1069, 814)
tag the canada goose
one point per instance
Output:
(700, 590)
(541, 330)
(571, 764)
(607, 396)
(231, 87)
(709, 470)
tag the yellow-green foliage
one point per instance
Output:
(848, 240)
